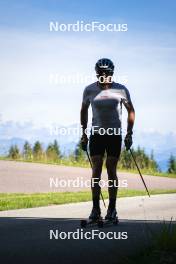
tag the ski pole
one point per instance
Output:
(92, 168)
(139, 172)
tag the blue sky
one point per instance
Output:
(146, 54)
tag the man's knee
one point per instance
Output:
(97, 162)
(111, 165)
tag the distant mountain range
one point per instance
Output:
(12, 133)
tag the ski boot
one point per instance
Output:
(95, 214)
(94, 218)
(111, 216)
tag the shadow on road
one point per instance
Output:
(27, 240)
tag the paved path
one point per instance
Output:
(25, 233)
(33, 177)
(157, 207)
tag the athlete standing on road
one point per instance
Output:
(106, 98)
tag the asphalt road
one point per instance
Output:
(25, 233)
(33, 177)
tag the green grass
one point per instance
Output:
(150, 172)
(9, 201)
(162, 248)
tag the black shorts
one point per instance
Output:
(98, 144)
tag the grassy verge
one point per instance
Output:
(66, 162)
(162, 249)
(152, 173)
(9, 201)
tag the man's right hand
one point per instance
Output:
(84, 142)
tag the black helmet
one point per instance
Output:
(104, 66)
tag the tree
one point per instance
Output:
(27, 151)
(57, 149)
(79, 153)
(172, 164)
(125, 160)
(153, 164)
(38, 151)
(152, 155)
(143, 160)
(53, 152)
(14, 152)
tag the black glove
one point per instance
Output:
(128, 140)
(84, 142)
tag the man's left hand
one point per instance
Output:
(128, 140)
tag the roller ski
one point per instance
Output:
(94, 219)
(110, 218)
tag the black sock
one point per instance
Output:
(112, 203)
(96, 202)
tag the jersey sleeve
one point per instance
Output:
(127, 96)
(86, 99)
